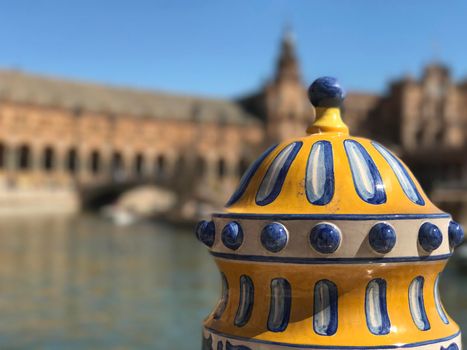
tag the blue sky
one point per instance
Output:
(227, 48)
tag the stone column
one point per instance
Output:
(10, 165)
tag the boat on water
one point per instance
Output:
(120, 216)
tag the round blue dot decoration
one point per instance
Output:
(382, 238)
(456, 234)
(325, 238)
(430, 237)
(232, 235)
(206, 232)
(326, 92)
(274, 237)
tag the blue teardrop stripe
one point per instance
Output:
(406, 182)
(275, 176)
(246, 178)
(280, 303)
(417, 304)
(439, 306)
(365, 174)
(325, 308)
(229, 346)
(320, 188)
(245, 304)
(376, 312)
(224, 299)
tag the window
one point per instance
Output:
(221, 168)
(49, 159)
(95, 162)
(139, 165)
(24, 157)
(160, 165)
(72, 161)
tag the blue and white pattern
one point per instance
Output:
(229, 346)
(325, 308)
(382, 238)
(325, 238)
(224, 299)
(366, 176)
(456, 234)
(236, 342)
(376, 311)
(272, 182)
(319, 182)
(439, 306)
(245, 305)
(207, 343)
(279, 310)
(274, 237)
(401, 173)
(246, 178)
(232, 235)
(206, 232)
(417, 305)
(429, 237)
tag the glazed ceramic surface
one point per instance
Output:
(329, 242)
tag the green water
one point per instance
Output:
(83, 283)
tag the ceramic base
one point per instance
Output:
(215, 341)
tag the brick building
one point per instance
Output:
(64, 135)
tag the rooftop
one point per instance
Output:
(21, 87)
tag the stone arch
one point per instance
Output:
(221, 168)
(2, 155)
(243, 165)
(180, 164)
(49, 159)
(139, 164)
(72, 160)
(23, 157)
(95, 162)
(160, 165)
(200, 166)
(117, 166)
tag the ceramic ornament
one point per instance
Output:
(329, 242)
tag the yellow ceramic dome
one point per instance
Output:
(330, 243)
(329, 172)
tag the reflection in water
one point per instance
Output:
(83, 283)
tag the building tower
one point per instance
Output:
(286, 104)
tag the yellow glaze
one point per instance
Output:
(292, 198)
(351, 280)
(328, 120)
(371, 245)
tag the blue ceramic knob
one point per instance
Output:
(326, 92)
(456, 234)
(206, 232)
(232, 235)
(382, 238)
(274, 237)
(325, 238)
(430, 237)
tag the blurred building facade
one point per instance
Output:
(60, 136)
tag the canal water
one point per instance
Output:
(83, 283)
